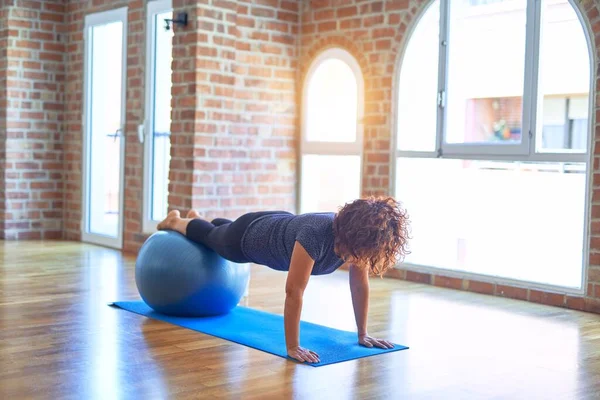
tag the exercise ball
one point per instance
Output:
(176, 276)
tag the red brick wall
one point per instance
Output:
(3, 67)
(184, 103)
(374, 31)
(266, 65)
(234, 96)
(33, 105)
(591, 13)
(135, 110)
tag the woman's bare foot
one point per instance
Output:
(174, 222)
(170, 221)
(193, 214)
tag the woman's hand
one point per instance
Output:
(368, 341)
(300, 270)
(303, 355)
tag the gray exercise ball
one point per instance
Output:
(176, 276)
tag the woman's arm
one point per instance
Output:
(359, 287)
(300, 269)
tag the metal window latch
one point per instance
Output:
(439, 153)
(442, 99)
(118, 133)
(141, 133)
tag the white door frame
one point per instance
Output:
(91, 20)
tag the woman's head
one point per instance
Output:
(372, 233)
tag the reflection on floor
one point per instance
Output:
(59, 339)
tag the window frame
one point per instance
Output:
(332, 148)
(531, 109)
(145, 133)
(508, 149)
(526, 150)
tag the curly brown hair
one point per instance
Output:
(372, 233)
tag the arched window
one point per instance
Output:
(332, 134)
(493, 102)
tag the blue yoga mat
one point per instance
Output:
(264, 331)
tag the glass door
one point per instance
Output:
(104, 120)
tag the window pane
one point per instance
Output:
(332, 100)
(105, 142)
(161, 125)
(417, 97)
(328, 182)
(564, 80)
(486, 71)
(521, 221)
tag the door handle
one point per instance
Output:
(118, 133)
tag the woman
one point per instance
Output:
(368, 236)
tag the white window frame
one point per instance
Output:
(498, 149)
(526, 150)
(355, 148)
(530, 131)
(153, 7)
(91, 20)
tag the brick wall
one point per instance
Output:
(3, 67)
(374, 31)
(266, 65)
(591, 12)
(135, 110)
(235, 112)
(33, 104)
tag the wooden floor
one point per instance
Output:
(59, 340)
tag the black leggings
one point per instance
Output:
(224, 236)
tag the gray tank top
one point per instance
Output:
(270, 240)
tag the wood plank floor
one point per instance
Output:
(60, 340)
